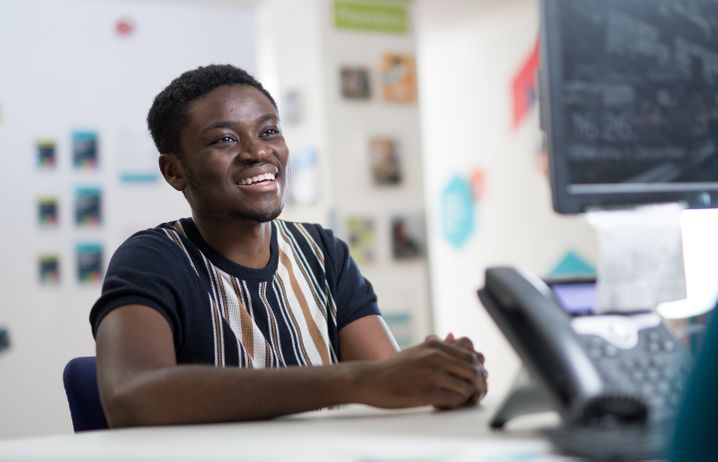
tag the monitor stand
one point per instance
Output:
(525, 397)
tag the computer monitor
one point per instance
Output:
(629, 101)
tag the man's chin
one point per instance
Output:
(259, 216)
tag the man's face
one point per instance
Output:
(235, 157)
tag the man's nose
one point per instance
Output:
(254, 149)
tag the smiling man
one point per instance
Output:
(212, 318)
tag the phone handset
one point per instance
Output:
(525, 310)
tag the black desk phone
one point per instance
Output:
(622, 367)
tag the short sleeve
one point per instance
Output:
(353, 293)
(148, 269)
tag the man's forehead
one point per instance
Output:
(243, 101)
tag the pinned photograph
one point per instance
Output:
(47, 212)
(398, 77)
(48, 269)
(46, 154)
(88, 206)
(89, 263)
(85, 148)
(384, 161)
(355, 83)
(361, 239)
(407, 237)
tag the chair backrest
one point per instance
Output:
(80, 380)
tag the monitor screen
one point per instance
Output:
(629, 101)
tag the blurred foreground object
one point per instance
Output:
(4, 339)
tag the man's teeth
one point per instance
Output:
(257, 179)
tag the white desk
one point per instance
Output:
(353, 433)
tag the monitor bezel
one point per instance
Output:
(565, 201)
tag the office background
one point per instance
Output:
(80, 174)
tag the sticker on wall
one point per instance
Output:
(371, 16)
(457, 211)
(478, 183)
(355, 83)
(398, 77)
(407, 237)
(46, 151)
(524, 90)
(88, 206)
(47, 212)
(384, 161)
(85, 155)
(361, 239)
(125, 27)
(572, 264)
(48, 266)
(304, 173)
(89, 262)
(400, 325)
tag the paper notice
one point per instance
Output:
(640, 257)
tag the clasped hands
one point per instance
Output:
(445, 374)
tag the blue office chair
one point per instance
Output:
(80, 380)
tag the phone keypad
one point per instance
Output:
(654, 369)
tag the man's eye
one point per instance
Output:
(224, 140)
(270, 132)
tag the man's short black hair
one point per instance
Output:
(168, 114)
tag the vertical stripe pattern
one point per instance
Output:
(279, 322)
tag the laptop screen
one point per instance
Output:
(576, 298)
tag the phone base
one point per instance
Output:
(523, 398)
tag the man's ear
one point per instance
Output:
(173, 171)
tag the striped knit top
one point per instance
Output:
(222, 313)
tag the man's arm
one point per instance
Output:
(141, 384)
(366, 338)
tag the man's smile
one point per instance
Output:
(257, 179)
(260, 180)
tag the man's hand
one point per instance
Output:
(446, 374)
(482, 386)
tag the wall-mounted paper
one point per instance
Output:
(85, 150)
(400, 325)
(407, 237)
(89, 262)
(355, 82)
(385, 161)
(398, 77)
(136, 157)
(88, 206)
(46, 151)
(361, 239)
(47, 212)
(304, 177)
(48, 266)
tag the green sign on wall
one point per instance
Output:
(370, 16)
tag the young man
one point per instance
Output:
(235, 286)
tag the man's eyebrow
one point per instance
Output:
(231, 124)
(268, 116)
(221, 124)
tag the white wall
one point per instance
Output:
(65, 68)
(468, 55)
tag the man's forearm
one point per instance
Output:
(195, 394)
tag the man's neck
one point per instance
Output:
(244, 242)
